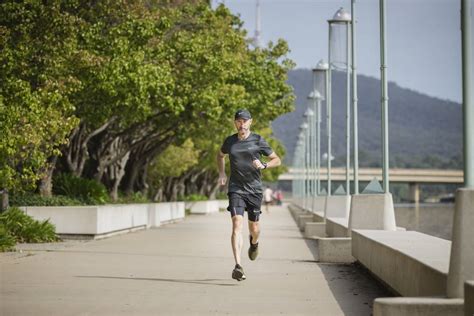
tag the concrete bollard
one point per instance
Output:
(338, 206)
(461, 267)
(372, 211)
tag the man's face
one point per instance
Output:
(242, 125)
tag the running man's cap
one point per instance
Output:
(242, 114)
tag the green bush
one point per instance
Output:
(136, 197)
(195, 198)
(24, 228)
(88, 191)
(221, 196)
(38, 200)
(7, 242)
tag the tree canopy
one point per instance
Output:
(120, 91)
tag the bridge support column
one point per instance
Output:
(414, 192)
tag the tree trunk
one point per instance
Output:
(4, 205)
(46, 182)
(115, 174)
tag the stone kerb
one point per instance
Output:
(372, 211)
(203, 207)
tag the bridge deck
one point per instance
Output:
(179, 269)
(396, 175)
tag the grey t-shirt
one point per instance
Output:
(244, 177)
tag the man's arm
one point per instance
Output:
(221, 167)
(274, 161)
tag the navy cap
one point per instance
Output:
(242, 114)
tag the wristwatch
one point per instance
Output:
(264, 165)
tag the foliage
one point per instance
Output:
(86, 190)
(113, 84)
(24, 228)
(30, 199)
(195, 198)
(35, 113)
(136, 197)
(7, 242)
(174, 161)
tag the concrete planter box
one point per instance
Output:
(98, 221)
(95, 221)
(163, 213)
(223, 204)
(203, 207)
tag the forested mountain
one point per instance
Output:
(424, 131)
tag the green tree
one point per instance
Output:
(36, 43)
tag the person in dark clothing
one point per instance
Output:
(245, 185)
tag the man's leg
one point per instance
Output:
(254, 229)
(236, 238)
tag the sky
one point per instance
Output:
(423, 37)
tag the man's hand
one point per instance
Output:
(258, 164)
(222, 179)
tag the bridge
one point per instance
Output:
(434, 176)
(414, 177)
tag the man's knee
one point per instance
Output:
(237, 223)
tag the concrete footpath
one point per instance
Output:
(183, 269)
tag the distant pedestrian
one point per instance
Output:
(245, 186)
(279, 197)
(267, 198)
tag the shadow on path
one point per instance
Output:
(352, 285)
(202, 282)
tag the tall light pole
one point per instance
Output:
(339, 55)
(309, 115)
(355, 124)
(468, 102)
(304, 133)
(383, 71)
(320, 86)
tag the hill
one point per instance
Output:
(423, 131)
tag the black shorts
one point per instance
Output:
(239, 203)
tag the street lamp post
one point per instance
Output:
(339, 59)
(304, 133)
(355, 124)
(320, 78)
(309, 115)
(383, 70)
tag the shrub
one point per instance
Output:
(24, 228)
(221, 196)
(136, 197)
(195, 198)
(86, 190)
(7, 242)
(38, 200)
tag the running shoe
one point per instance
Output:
(253, 250)
(238, 273)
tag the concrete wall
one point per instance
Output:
(411, 263)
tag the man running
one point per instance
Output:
(245, 186)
